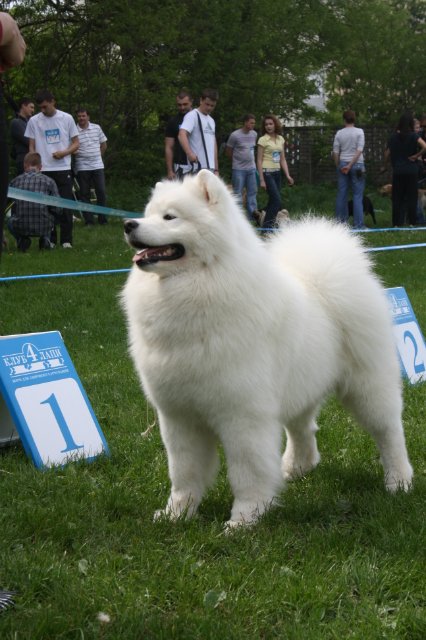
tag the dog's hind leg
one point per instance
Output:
(253, 457)
(378, 406)
(193, 464)
(301, 453)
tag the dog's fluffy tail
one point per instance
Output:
(333, 265)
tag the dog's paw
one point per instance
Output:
(237, 525)
(292, 469)
(163, 514)
(402, 483)
(177, 510)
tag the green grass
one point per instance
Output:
(339, 559)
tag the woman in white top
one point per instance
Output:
(348, 147)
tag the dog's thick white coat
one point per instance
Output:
(242, 338)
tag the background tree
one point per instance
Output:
(377, 67)
(125, 60)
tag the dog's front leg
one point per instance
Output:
(253, 457)
(193, 463)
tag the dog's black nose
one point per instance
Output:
(129, 225)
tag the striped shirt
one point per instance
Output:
(31, 218)
(88, 156)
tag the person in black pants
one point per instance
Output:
(53, 134)
(403, 152)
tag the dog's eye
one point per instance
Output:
(168, 216)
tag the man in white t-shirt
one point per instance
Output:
(89, 164)
(52, 133)
(197, 134)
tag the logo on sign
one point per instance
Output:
(31, 359)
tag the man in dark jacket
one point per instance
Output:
(20, 144)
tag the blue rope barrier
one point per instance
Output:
(111, 271)
(40, 276)
(64, 203)
(367, 230)
(400, 246)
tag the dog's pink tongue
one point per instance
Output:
(139, 256)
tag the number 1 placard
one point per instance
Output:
(409, 338)
(46, 400)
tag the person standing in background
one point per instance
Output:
(240, 148)
(17, 133)
(348, 147)
(197, 134)
(403, 150)
(54, 135)
(12, 53)
(89, 164)
(177, 163)
(270, 160)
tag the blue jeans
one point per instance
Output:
(356, 180)
(245, 178)
(273, 187)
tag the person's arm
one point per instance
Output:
(32, 145)
(386, 160)
(17, 130)
(184, 143)
(72, 148)
(229, 152)
(284, 167)
(335, 154)
(357, 154)
(103, 148)
(422, 145)
(229, 147)
(260, 166)
(12, 44)
(216, 157)
(351, 163)
(169, 145)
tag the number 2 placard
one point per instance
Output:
(409, 338)
(46, 400)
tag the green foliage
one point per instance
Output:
(377, 68)
(125, 62)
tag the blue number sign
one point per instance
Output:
(42, 396)
(409, 338)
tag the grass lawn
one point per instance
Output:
(339, 559)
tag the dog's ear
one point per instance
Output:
(159, 185)
(210, 185)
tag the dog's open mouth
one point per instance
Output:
(149, 255)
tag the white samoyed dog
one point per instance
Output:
(236, 339)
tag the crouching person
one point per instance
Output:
(31, 218)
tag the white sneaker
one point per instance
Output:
(66, 245)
